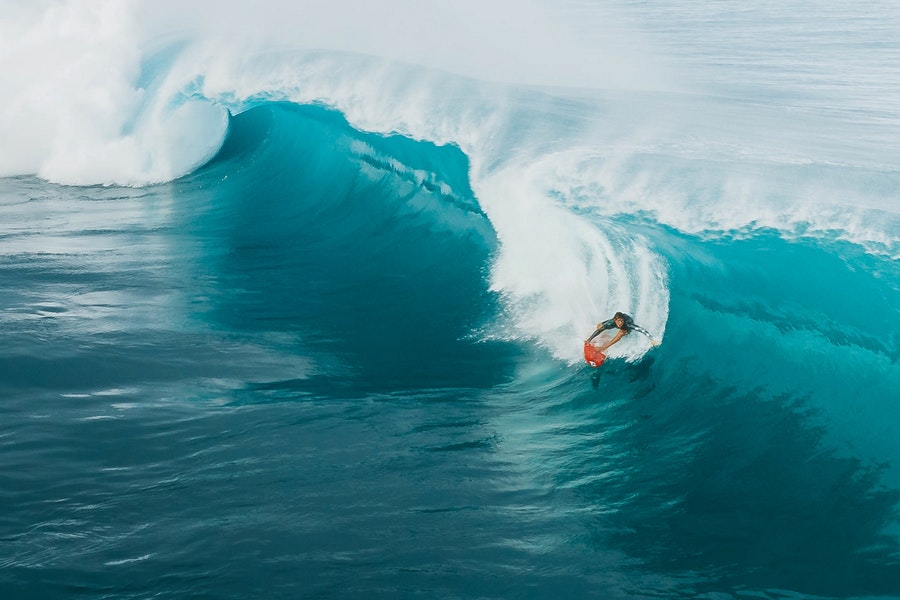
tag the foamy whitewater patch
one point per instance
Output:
(74, 110)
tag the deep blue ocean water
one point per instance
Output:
(324, 342)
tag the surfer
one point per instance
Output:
(625, 324)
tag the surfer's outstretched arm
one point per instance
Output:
(593, 335)
(653, 341)
(601, 327)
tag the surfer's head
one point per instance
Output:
(619, 319)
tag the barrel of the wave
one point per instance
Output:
(592, 355)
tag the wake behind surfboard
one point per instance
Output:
(592, 355)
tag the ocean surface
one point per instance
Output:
(292, 300)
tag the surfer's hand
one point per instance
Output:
(655, 342)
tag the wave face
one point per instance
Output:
(287, 321)
(377, 245)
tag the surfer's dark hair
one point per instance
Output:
(628, 321)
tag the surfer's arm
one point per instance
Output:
(601, 327)
(593, 335)
(647, 333)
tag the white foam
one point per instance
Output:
(73, 109)
(126, 561)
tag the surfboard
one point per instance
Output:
(592, 355)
